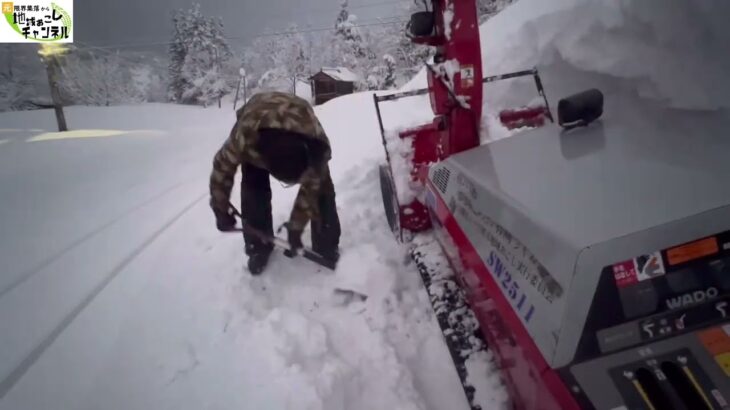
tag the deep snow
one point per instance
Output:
(185, 326)
(664, 59)
(666, 54)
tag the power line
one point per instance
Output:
(383, 3)
(280, 33)
(108, 52)
(365, 23)
(310, 11)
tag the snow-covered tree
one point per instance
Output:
(275, 62)
(410, 57)
(207, 87)
(100, 79)
(321, 46)
(349, 44)
(488, 8)
(149, 74)
(198, 53)
(383, 76)
(342, 16)
(177, 50)
(12, 93)
(23, 78)
(293, 55)
(381, 55)
(389, 79)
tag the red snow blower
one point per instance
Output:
(598, 275)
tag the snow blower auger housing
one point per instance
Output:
(598, 281)
(455, 89)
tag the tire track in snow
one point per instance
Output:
(28, 274)
(9, 382)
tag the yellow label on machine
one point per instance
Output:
(724, 361)
(715, 340)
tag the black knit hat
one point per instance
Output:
(285, 153)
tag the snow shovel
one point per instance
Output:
(282, 244)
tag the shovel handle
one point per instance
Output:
(305, 252)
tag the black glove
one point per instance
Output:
(225, 221)
(295, 241)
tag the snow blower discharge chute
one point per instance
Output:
(582, 305)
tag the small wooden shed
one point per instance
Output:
(331, 82)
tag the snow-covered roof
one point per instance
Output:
(304, 90)
(340, 73)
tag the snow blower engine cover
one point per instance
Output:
(608, 274)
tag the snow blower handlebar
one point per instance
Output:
(280, 243)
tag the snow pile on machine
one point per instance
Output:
(658, 63)
(669, 52)
(666, 53)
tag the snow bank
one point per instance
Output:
(352, 127)
(670, 54)
(481, 374)
(356, 137)
(400, 151)
(420, 80)
(673, 52)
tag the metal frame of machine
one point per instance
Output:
(553, 277)
(428, 146)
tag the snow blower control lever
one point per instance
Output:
(282, 244)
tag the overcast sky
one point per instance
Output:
(103, 22)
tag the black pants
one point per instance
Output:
(256, 208)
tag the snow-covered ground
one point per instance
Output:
(184, 326)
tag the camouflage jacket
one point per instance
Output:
(270, 110)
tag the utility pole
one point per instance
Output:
(106, 75)
(309, 45)
(245, 85)
(50, 54)
(9, 54)
(218, 66)
(242, 73)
